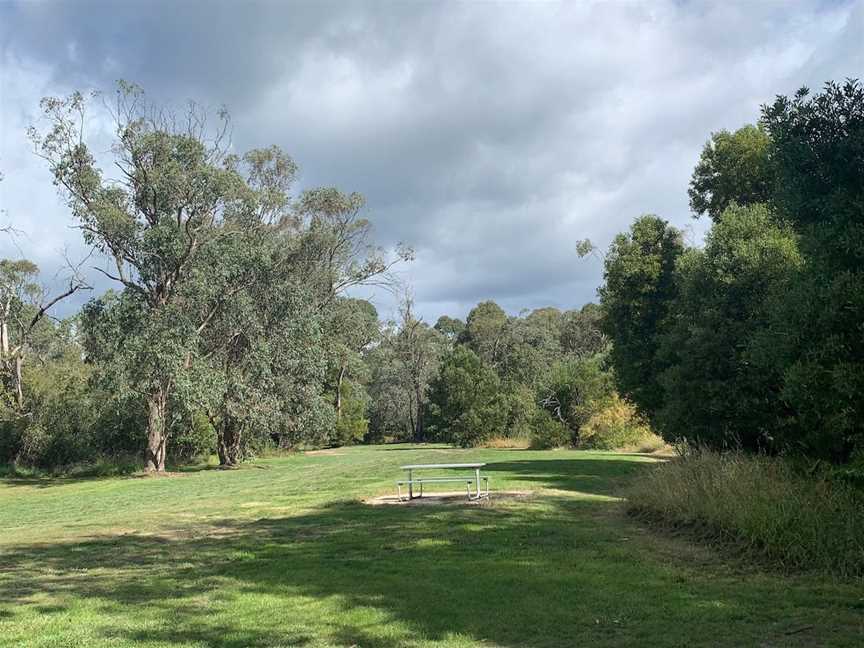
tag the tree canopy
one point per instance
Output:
(733, 168)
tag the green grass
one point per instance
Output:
(285, 553)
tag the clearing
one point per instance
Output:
(285, 552)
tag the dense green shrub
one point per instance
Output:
(715, 393)
(548, 432)
(521, 408)
(57, 428)
(755, 341)
(466, 405)
(815, 338)
(119, 428)
(638, 292)
(192, 437)
(760, 504)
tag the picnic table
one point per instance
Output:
(476, 479)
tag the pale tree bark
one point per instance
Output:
(4, 346)
(18, 383)
(4, 327)
(338, 402)
(157, 437)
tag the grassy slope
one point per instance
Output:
(284, 553)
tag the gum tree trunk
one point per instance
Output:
(338, 403)
(229, 441)
(157, 411)
(419, 431)
(19, 390)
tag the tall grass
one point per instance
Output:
(761, 505)
(508, 442)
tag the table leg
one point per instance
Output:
(410, 484)
(477, 474)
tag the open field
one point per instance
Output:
(285, 553)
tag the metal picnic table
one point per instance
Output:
(410, 468)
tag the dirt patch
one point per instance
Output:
(329, 451)
(448, 499)
(158, 475)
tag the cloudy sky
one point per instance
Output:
(489, 136)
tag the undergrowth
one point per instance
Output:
(762, 505)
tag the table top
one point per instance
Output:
(443, 465)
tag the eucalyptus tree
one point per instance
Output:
(275, 344)
(263, 367)
(581, 331)
(450, 327)
(24, 305)
(418, 348)
(403, 366)
(528, 346)
(485, 330)
(177, 187)
(337, 252)
(351, 327)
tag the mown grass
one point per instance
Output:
(285, 553)
(760, 505)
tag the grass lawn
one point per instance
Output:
(284, 553)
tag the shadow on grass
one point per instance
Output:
(50, 481)
(490, 573)
(553, 571)
(420, 447)
(591, 476)
(551, 575)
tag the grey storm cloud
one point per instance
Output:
(489, 136)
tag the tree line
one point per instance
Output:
(756, 340)
(228, 318)
(230, 328)
(540, 378)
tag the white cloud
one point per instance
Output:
(490, 136)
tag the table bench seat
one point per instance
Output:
(421, 480)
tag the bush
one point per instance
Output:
(577, 388)
(548, 433)
(521, 407)
(193, 437)
(466, 406)
(616, 426)
(353, 425)
(760, 504)
(56, 428)
(717, 393)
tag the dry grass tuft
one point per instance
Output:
(508, 443)
(761, 505)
